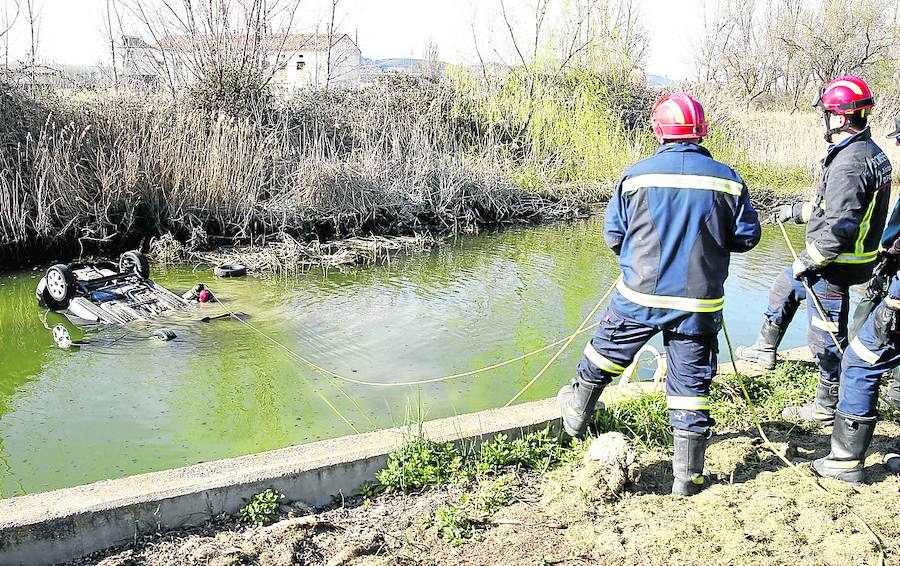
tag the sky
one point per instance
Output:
(71, 31)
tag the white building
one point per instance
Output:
(294, 62)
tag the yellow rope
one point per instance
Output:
(806, 477)
(582, 327)
(812, 296)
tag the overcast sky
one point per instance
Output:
(71, 30)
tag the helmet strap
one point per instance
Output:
(829, 131)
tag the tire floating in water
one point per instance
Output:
(230, 270)
(164, 334)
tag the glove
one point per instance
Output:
(877, 288)
(783, 213)
(800, 269)
(884, 324)
(887, 267)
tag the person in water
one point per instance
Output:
(844, 226)
(674, 220)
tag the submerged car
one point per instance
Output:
(106, 293)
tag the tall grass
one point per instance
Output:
(113, 172)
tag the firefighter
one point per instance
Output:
(873, 352)
(844, 226)
(674, 220)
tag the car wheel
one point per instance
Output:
(60, 282)
(235, 270)
(134, 262)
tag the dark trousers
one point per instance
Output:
(785, 298)
(692, 363)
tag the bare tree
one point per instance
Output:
(6, 26)
(231, 45)
(32, 14)
(431, 61)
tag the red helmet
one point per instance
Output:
(677, 116)
(845, 95)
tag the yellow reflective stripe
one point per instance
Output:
(601, 361)
(857, 258)
(687, 403)
(675, 181)
(841, 464)
(806, 211)
(676, 303)
(864, 353)
(825, 325)
(864, 228)
(815, 254)
(892, 302)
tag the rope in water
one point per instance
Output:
(806, 477)
(581, 328)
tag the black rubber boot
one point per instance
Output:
(892, 397)
(892, 462)
(849, 442)
(764, 351)
(687, 463)
(821, 411)
(577, 403)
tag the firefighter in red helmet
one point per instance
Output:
(844, 226)
(674, 220)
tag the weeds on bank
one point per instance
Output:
(458, 522)
(422, 463)
(262, 508)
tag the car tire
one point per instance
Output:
(60, 284)
(230, 270)
(45, 301)
(134, 262)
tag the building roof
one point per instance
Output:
(291, 42)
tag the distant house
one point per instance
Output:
(294, 61)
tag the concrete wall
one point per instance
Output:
(69, 523)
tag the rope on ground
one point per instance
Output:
(581, 328)
(806, 477)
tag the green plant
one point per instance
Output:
(458, 522)
(644, 419)
(790, 383)
(418, 464)
(533, 451)
(262, 508)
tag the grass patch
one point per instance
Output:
(790, 384)
(422, 464)
(458, 522)
(644, 419)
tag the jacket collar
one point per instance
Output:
(683, 148)
(835, 148)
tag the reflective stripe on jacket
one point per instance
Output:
(847, 217)
(674, 220)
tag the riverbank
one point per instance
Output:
(105, 172)
(529, 503)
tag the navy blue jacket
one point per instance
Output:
(847, 217)
(674, 220)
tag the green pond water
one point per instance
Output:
(125, 404)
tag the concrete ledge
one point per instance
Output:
(70, 523)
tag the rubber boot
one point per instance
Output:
(892, 397)
(764, 351)
(577, 403)
(821, 411)
(687, 463)
(892, 462)
(849, 442)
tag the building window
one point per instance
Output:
(300, 65)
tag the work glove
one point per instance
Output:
(800, 269)
(887, 265)
(783, 213)
(884, 324)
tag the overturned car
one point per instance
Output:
(106, 293)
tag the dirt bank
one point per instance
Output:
(757, 512)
